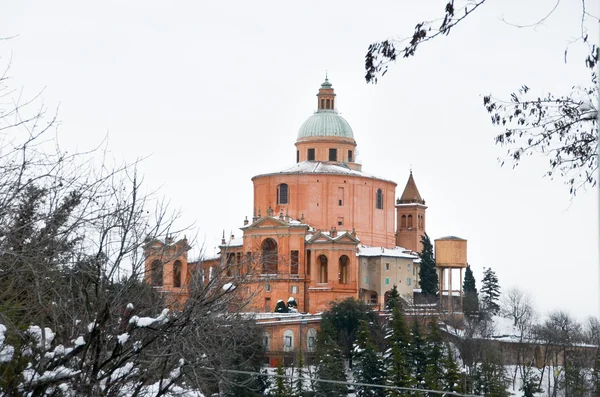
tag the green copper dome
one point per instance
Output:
(325, 123)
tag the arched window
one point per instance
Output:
(322, 103)
(267, 341)
(288, 340)
(322, 269)
(269, 256)
(156, 273)
(282, 194)
(343, 275)
(177, 274)
(311, 340)
(379, 203)
(327, 106)
(403, 221)
(410, 223)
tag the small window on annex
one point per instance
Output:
(322, 269)
(288, 340)
(177, 274)
(379, 199)
(156, 273)
(310, 155)
(343, 277)
(294, 259)
(332, 154)
(267, 341)
(282, 194)
(311, 339)
(403, 221)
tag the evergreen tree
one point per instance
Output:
(393, 299)
(299, 389)
(470, 297)
(368, 365)
(281, 307)
(490, 292)
(417, 355)
(490, 377)
(451, 375)
(292, 305)
(343, 317)
(396, 357)
(435, 356)
(281, 389)
(428, 278)
(330, 364)
(596, 376)
(530, 384)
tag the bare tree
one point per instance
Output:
(561, 127)
(517, 305)
(76, 317)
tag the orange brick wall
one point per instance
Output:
(315, 197)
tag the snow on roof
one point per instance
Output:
(318, 167)
(235, 242)
(410, 205)
(397, 252)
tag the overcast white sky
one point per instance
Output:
(215, 93)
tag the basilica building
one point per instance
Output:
(322, 230)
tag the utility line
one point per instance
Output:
(341, 382)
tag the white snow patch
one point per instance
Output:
(130, 306)
(122, 372)
(6, 351)
(147, 321)
(228, 287)
(123, 338)
(79, 341)
(37, 334)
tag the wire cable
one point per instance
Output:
(341, 382)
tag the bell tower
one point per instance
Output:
(410, 213)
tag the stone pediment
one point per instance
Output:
(340, 238)
(272, 221)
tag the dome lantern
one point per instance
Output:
(326, 121)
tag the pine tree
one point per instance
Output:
(470, 298)
(281, 389)
(428, 278)
(368, 365)
(299, 389)
(451, 374)
(435, 356)
(292, 305)
(490, 292)
(330, 364)
(393, 299)
(281, 307)
(596, 376)
(396, 358)
(417, 355)
(490, 377)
